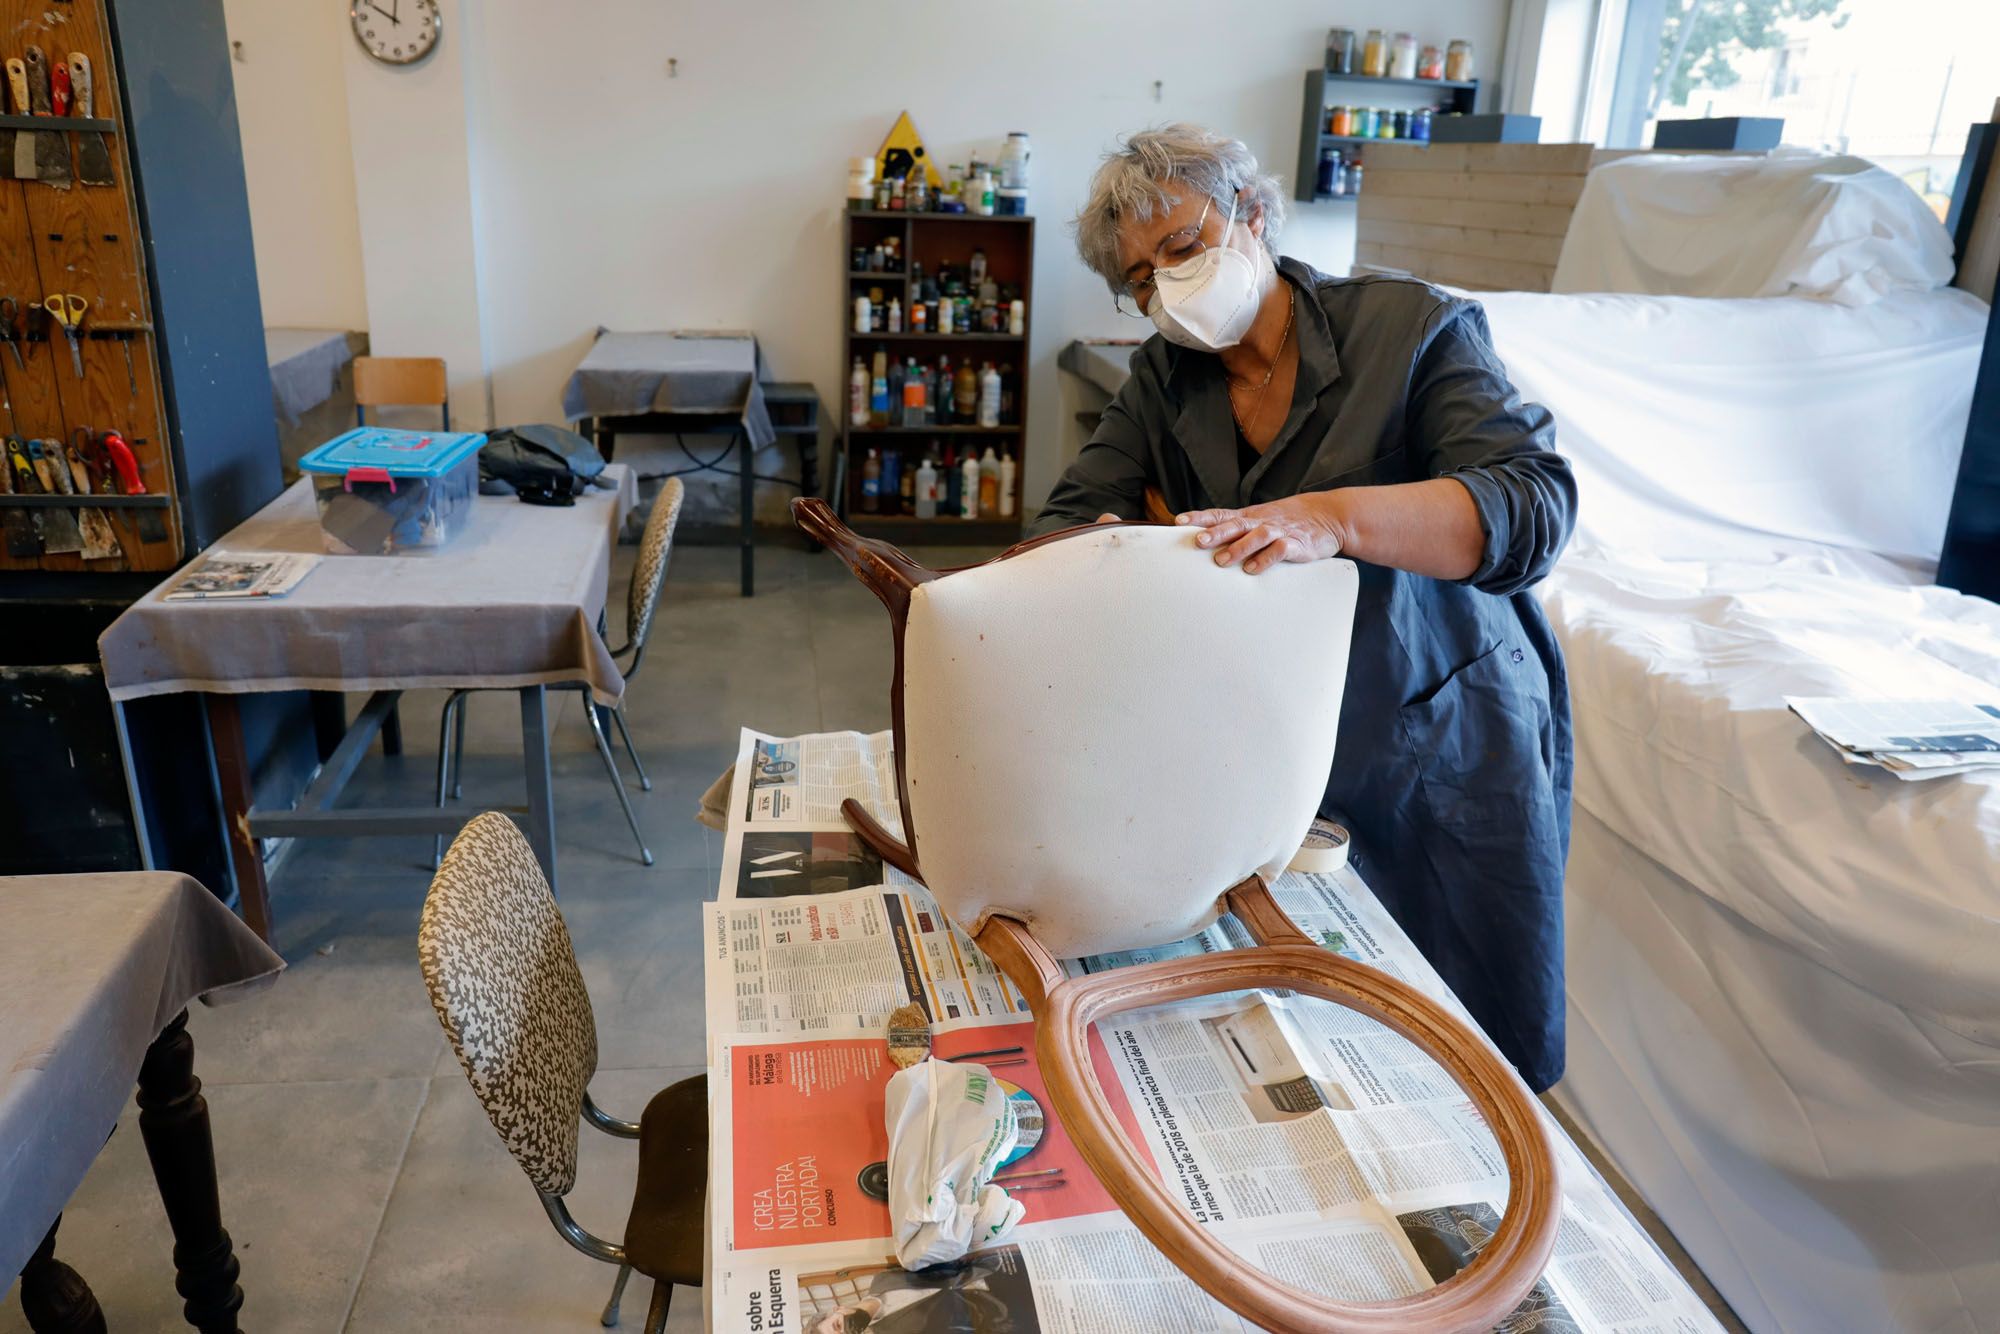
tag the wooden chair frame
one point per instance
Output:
(1477, 1298)
(381, 382)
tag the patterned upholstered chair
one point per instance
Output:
(642, 599)
(503, 979)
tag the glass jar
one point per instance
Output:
(1367, 120)
(1403, 122)
(1354, 178)
(1403, 57)
(1420, 126)
(1458, 66)
(1338, 185)
(1375, 54)
(1386, 129)
(1340, 50)
(1430, 63)
(1329, 169)
(1341, 122)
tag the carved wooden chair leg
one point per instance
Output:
(54, 1297)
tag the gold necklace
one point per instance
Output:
(1257, 412)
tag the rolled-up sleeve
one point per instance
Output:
(1110, 473)
(1474, 427)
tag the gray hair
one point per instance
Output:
(1152, 171)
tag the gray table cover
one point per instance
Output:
(1105, 364)
(305, 364)
(626, 374)
(92, 967)
(513, 601)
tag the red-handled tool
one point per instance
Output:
(51, 147)
(59, 89)
(152, 528)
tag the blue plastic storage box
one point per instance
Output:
(385, 493)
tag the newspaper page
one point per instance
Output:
(1323, 1147)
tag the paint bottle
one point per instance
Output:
(878, 392)
(864, 315)
(857, 395)
(895, 315)
(989, 398)
(1017, 317)
(951, 481)
(1007, 484)
(965, 392)
(989, 483)
(968, 484)
(892, 479)
(927, 480)
(871, 483)
(907, 487)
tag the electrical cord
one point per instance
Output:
(714, 465)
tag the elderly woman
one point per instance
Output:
(1290, 416)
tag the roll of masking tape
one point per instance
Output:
(1324, 851)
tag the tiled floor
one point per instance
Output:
(360, 1179)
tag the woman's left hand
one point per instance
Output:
(1298, 529)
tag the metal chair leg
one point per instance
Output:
(617, 782)
(458, 746)
(656, 1314)
(618, 716)
(610, 1317)
(445, 717)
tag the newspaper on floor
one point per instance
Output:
(1322, 1146)
(1912, 738)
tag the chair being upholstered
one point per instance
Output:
(1103, 740)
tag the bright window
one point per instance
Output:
(1894, 81)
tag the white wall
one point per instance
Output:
(291, 105)
(601, 191)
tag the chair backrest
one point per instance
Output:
(1099, 733)
(393, 381)
(503, 979)
(651, 571)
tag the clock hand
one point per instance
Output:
(383, 12)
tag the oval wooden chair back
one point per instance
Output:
(1053, 815)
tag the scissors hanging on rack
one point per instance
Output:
(67, 309)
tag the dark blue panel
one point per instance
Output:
(1971, 558)
(180, 110)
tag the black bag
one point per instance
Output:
(544, 465)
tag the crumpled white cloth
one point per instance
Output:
(1794, 223)
(951, 1125)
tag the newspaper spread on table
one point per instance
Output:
(1323, 1147)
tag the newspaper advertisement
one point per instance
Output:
(1320, 1145)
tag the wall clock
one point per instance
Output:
(393, 37)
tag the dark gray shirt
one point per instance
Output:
(1453, 764)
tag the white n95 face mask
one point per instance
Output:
(1208, 302)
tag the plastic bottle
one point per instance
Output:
(1017, 317)
(951, 482)
(989, 398)
(927, 480)
(871, 483)
(968, 487)
(913, 396)
(857, 395)
(977, 269)
(919, 318)
(944, 319)
(965, 393)
(942, 395)
(989, 483)
(1007, 484)
(984, 190)
(895, 403)
(895, 315)
(907, 485)
(892, 478)
(1014, 157)
(864, 317)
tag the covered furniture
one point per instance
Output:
(512, 603)
(1783, 971)
(96, 974)
(312, 389)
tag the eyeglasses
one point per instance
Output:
(1176, 249)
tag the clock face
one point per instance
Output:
(392, 34)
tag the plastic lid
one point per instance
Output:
(398, 453)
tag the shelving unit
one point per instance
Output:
(932, 240)
(1456, 96)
